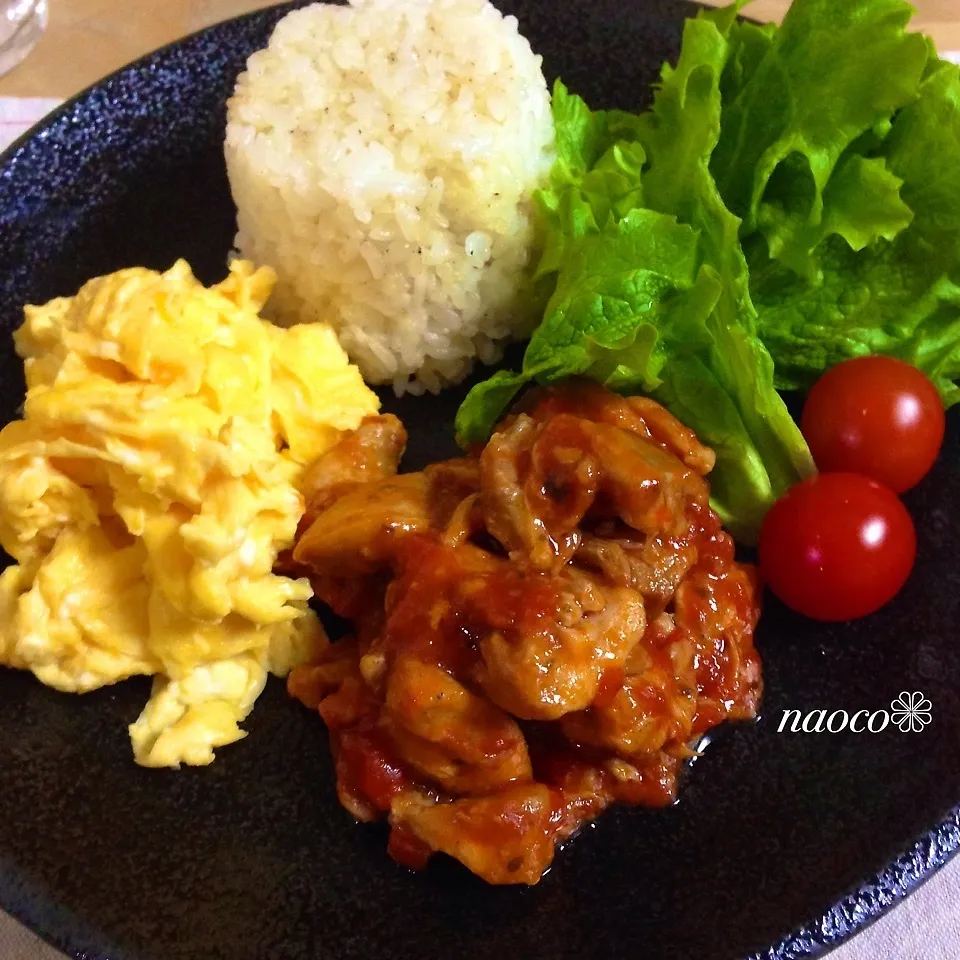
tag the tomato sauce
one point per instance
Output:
(496, 791)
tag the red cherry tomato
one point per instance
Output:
(877, 416)
(837, 546)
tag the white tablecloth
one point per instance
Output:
(17, 114)
(924, 927)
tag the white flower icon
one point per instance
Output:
(911, 712)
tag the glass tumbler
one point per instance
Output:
(22, 23)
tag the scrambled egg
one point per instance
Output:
(149, 487)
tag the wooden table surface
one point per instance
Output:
(87, 39)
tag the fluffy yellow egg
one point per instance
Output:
(149, 488)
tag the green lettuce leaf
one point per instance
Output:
(791, 200)
(798, 103)
(617, 290)
(655, 298)
(899, 297)
(595, 178)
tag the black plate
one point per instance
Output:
(252, 858)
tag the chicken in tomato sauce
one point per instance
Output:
(542, 628)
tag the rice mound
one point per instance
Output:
(382, 157)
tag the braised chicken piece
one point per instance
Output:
(540, 480)
(653, 566)
(541, 629)
(505, 837)
(456, 739)
(555, 665)
(356, 534)
(369, 453)
(641, 416)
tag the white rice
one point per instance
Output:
(382, 157)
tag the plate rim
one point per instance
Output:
(854, 912)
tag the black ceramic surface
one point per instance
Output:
(252, 858)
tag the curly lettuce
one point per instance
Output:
(840, 151)
(650, 285)
(791, 199)
(899, 295)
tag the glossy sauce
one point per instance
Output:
(441, 594)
